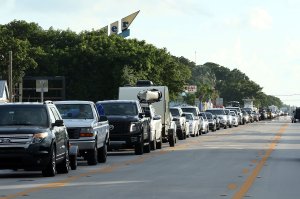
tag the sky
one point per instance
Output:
(261, 38)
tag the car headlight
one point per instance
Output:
(133, 127)
(39, 137)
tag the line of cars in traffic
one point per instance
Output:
(52, 136)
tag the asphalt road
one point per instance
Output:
(259, 160)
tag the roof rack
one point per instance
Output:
(48, 102)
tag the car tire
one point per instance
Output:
(171, 137)
(215, 128)
(73, 162)
(64, 167)
(50, 169)
(138, 149)
(102, 153)
(147, 147)
(92, 156)
(159, 144)
(153, 143)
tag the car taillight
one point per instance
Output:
(86, 132)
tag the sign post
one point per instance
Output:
(42, 86)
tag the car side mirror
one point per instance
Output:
(102, 118)
(58, 123)
(182, 115)
(141, 115)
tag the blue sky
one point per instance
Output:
(259, 37)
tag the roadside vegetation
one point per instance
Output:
(91, 60)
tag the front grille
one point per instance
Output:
(15, 139)
(74, 133)
(119, 127)
(11, 150)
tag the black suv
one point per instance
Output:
(296, 115)
(33, 137)
(129, 128)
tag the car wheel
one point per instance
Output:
(215, 128)
(159, 144)
(138, 149)
(65, 165)
(102, 153)
(153, 143)
(171, 137)
(50, 169)
(92, 156)
(73, 162)
(147, 147)
(184, 135)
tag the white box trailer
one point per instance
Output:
(161, 107)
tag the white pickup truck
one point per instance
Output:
(86, 129)
(155, 126)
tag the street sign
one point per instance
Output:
(219, 102)
(41, 85)
(190, 88)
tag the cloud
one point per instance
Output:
(260, 19)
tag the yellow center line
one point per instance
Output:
(251, 179)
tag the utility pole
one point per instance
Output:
(10, 81)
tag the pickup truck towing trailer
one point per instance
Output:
(161, 107)
(129, 128)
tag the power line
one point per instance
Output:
(288, 95)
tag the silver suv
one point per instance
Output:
(196, 112)
(180, 121)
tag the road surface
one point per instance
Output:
(259, 160)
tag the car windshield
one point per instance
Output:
(174, 112)
(75, 111)
(120, 109)
(23, 115)
(209, 116)
(190, 110)
(189, 116)
(234, 110)
(216, 111)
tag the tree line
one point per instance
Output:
(96, 65)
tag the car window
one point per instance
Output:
(189, 116)
(75, 111)
(23, 115)
(174, 112)
(120, 109)
(190, 110)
